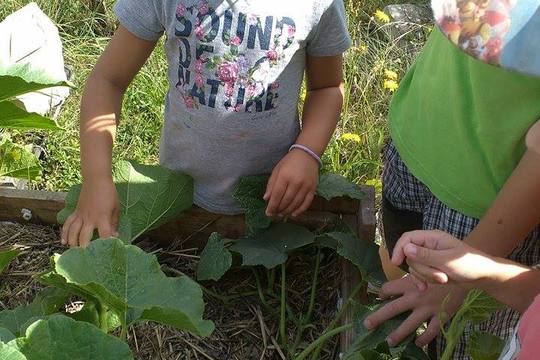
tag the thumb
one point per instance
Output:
(422, 255)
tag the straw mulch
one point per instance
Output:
(245, 329)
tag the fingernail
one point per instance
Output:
(411, 249)
(390, 342)
(368, 324)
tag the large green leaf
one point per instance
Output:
(215, 260)
(271, 246)
(16, 161)
(363, 254)
(249, 193)
(333, 185)
(479, 306)
(6, 257)
(149, 195)
(126, 279)
(10, 352)
(484, 346)
(62, 338)
(18, 79)
(47, 302)
(6, 335)
(13, 117)
(369, 341)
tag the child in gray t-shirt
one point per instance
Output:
(235, 70)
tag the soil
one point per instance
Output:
(245, 328)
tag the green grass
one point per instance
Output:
(85, 30)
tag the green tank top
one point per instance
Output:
(460, 124)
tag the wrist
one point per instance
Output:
(308, 152)
(497, 272)
(92, 178)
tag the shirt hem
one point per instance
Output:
(215, 209)
(442, 193)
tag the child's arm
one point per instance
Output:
(100, 112)
(512, 216)
(441, 258)
(293, 183)
(515, 212)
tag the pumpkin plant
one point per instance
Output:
(120, 283)
(15, 160)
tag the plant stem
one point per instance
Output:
(271, 280)
(339, 315)
(282, 320)
(261, 294)
(451, 343)
(313, 287)
(123, 333)
(103, 319)
(307, 319)
(317, 344)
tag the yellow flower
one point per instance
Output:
(382, 16)
(360, 48)
(352, 137)
(390, 75)
(391, 85)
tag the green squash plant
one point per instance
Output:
(122, 285)
(15, 160)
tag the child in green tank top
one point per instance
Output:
(458, 160)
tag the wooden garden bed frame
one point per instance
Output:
(194, 227)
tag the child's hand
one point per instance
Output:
(423, 307)
(437, 257)
(292, 186)
(98, 208)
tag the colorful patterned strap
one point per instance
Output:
(309, 151)
(504, 33)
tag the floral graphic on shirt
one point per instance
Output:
(477, 26)
(241, 78)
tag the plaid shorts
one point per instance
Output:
(405, 192)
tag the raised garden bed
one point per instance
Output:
(244, 327)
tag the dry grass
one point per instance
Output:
(245, 329)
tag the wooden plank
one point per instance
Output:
(42, 205)
(365, 225)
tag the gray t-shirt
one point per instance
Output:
(235, 73)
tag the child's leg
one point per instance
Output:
(404, 198)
